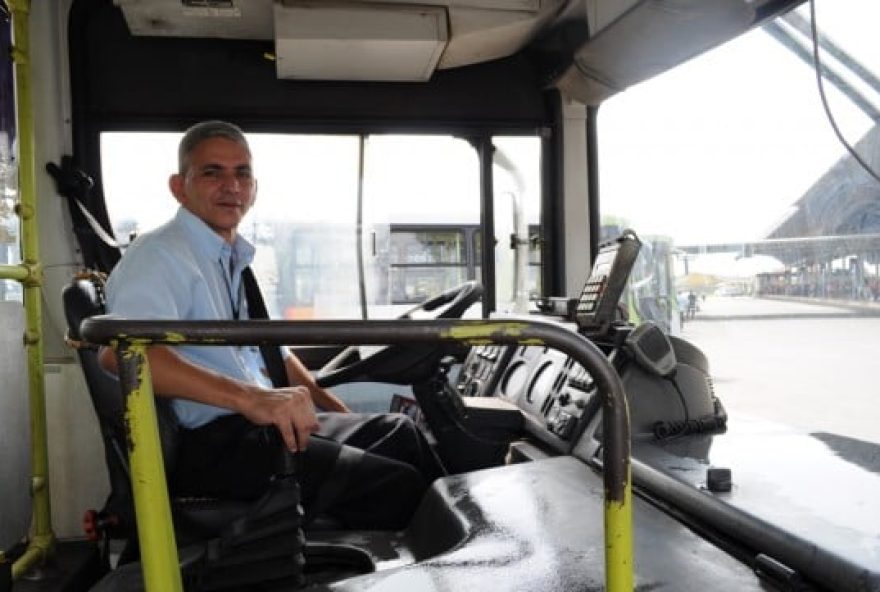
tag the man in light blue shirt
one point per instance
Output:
(200, 278)
(191, 269)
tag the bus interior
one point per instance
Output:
(526, 224)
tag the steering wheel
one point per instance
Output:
(397, 363)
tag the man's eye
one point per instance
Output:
(211, 173)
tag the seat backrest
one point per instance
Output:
(83, 298)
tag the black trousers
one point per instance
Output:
(360, 488)
(392, 435)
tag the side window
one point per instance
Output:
(10, 248)
(10, 251)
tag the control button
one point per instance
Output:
(718, 479)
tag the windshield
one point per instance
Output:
(350, 226)
(763, 231)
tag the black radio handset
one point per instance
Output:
(652, 350)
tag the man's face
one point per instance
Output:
(218, 186)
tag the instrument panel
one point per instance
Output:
(556, 395)
(481, 370)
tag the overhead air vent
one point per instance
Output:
(209, 3)
(350, 41)
(223, 19)
(382, 40)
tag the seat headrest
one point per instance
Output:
(82, 298)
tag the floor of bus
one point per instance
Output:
(74, 566)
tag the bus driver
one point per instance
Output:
(191, 269)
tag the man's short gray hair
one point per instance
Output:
(204, 131)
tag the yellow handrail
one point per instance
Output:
(30, 274)
(132, 337)
(155, 528)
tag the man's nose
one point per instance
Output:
(230, 182)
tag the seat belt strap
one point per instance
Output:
(96, 226)
(257, 310)
(98, 247)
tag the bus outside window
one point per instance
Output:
(767, 224)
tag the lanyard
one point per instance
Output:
(234, 300)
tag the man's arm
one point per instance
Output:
(298, 374)
(290, 409)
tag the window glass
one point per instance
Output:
(517, 187)
(762, 234)
(426, 262)
(303, 220)
(421, 202)
(10, 248)
(428, 246)
(477, 242)
(420, 209)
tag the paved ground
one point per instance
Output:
(813, 366)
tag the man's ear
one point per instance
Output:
(176, 185)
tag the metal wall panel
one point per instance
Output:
(15, 469)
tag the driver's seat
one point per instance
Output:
(227, 526)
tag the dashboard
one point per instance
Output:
(556, 395)
(668, 388)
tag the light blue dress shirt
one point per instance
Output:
(181, 271)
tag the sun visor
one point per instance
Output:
(650, 38)
(348, 41)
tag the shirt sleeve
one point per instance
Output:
(150, 283)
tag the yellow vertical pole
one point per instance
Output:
(619, 541)
(161, 567)
(42, 539)
(619, 538)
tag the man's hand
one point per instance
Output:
(288, 409)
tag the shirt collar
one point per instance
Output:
(211, 245)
